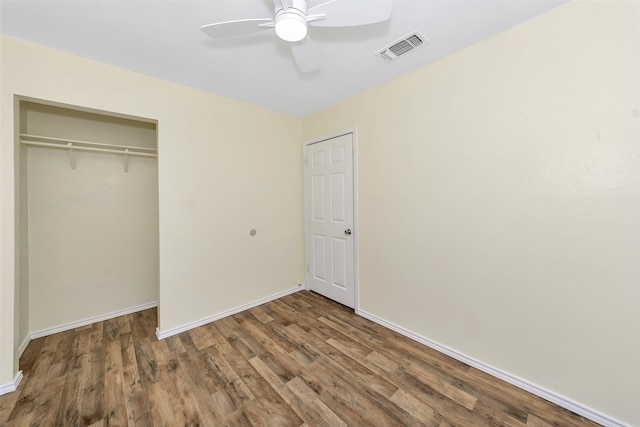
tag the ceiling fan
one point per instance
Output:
(292, 18)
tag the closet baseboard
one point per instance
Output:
(90, 320)
(11, 386)
(173, 331)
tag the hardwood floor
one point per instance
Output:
(299, 360)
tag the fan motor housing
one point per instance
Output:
(299, 5)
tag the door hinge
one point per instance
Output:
(308, 269)
(306, 161)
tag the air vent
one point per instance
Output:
(403, 46)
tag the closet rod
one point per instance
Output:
(77, 147)
(66, 141)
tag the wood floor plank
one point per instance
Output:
(94, 387)
(344, 364)
(319, 411)
(287, 366)
(231, 383)
(200, 380)
(223, 405)
(363, 381)
(69, 410)
(259, 416)
(143, 325)
(175, 344)
(201, 337)
(115, 411)
(137, 402)
(181, 399)
(232, 333)
(535, 421)
(309, 410)
(186, 343)
(269, 330)
(26, 420)
(301, 360)
(260, 314)
(288, 314)
(415, 407)
(46, 403)
(402, 348)
(111, 329)
(350, 404)
(199, 371)
(222, 345)
(394, 371)
(352, 349)
(498, 417)
(450, 410)
(447, 389)
(237, 418)
(146, 361)
(162, 413)
(269, 401)
(260, 345)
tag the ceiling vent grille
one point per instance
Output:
(400, 47)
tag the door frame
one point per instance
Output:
(355, 232)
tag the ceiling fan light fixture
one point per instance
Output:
(291, 18)
(291, 27)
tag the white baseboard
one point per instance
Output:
(532, 388)
(12, 386)
(90, 320)
(173, 331)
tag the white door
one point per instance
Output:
(330, 224)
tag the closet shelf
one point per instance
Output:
(73, 145)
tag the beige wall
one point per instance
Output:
(499, 191)
(224, 167)
(93, 230)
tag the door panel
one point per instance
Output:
(338, 194)
(330, 221)
(318, 198)
(319, 253)
(339, 262)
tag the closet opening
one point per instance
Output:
(87, 217)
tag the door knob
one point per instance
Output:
(347, 231)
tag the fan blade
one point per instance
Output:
(306, 54)
(235, 28)
(351, 13)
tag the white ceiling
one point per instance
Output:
(161, 38)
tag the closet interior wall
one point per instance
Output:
(88, 234)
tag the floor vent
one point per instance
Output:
(400, 47)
